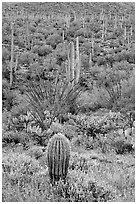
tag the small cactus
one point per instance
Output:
(58, 155)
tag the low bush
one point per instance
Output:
(28, 181)
(36, 152)
(122, 147)
(9, 137)
(91, 178)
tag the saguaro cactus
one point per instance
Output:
(58, 157)
(115, 22)
(74, 63)
(72, 60)
(78, 61)
(12, 53)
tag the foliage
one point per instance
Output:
(57, 98)
(9, 137)
(24, 179)
(35, 152)
(48, 41)
(123, 147)
(27, 58)
(40, 100)
(101, 133)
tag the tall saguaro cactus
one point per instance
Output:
(131, 30)
(125, 34)
(115, 22)
(27, 33)
(58, 156)
(101, 16)
(78, 61)
(90, 60)
(12, 53)
(72, 60)
(74, 63)
(92, 42)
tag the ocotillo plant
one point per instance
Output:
(58, 156)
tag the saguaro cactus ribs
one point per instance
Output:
(58, 157)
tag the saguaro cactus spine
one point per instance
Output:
(58, 156)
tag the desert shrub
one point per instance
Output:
(18, 172)
(54, 40)
(35, 49)
(121, 146)
(44, 50)
(8, 98)
(85, 60)
(61, 53)
(32, 27)
(69, 131)
(35, 70)
(27, 58)
(81, 32)
(97, 132)
(19, 163)
(5, 54)
(35, 152)
(101, 143)
(11, 116)
(79, 191)
(9, 137)
(82, 189)
(6, 119)
(127, 102)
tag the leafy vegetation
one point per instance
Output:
(68, 67)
